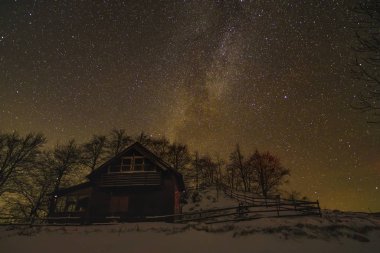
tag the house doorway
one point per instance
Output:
(119, 206)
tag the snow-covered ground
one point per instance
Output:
(208, 198)
(334, 232)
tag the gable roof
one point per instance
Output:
(143, 151)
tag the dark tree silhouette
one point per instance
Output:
(267, 171)
(17, 153)
(144, 139)
(237, 165)
(33, 188)
(160, 147)
(178, 156)
(367, 63)
(196, 168)
(219, 175)
(93, 152)
(208, 169)
(66, 159)
(117, 141)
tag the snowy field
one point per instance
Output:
(335, 232)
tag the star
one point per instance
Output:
(268, 75)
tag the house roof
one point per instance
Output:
(146, 153)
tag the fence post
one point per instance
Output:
(217, 190)
(295, 206)
(278, 205)
(319, 209)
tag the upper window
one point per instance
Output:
(132, 163)
(139, 164)
(148, 165)
(126, 164)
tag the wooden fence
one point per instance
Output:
(250, 207)
(311, 207)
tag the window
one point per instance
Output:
(70, 204)
(61, 202)
(126, 164)
(132, 163)
(81, 204)
(148, 165)
(139, 164)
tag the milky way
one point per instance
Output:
(272, 75)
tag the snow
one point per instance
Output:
(333, 232)
(209, 198)
(338, 232)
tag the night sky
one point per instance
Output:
(272, 75)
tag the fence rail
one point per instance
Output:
(253, 207)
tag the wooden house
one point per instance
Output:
(130, 186)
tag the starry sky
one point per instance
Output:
(272, 75)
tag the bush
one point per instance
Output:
(196, 197)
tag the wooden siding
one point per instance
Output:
(127, 195)
(131, 179)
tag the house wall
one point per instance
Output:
(133, 202)
(123, 189)
(98, 204)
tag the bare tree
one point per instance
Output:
(17, 153)
(144, 139)
(178, 156)
(237, 164)
(219, 174)
(160, 147)
(30, 196)
(117, 141)
(268, 172)
(367, 63)
(196, 169)
(66, 159)
(93, 151)
(208, 169)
